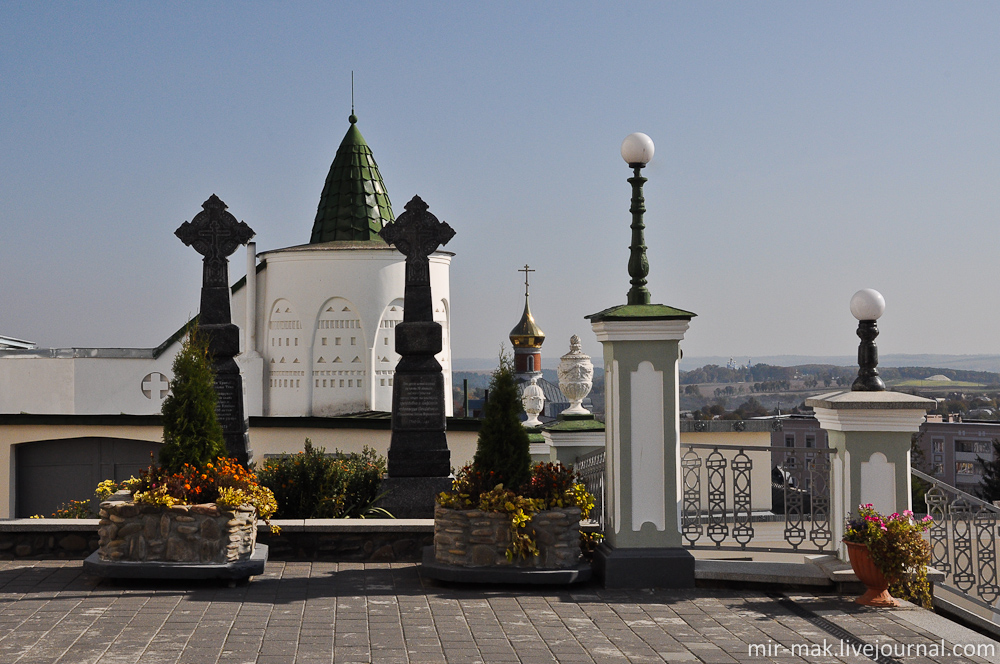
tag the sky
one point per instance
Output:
(803, 151)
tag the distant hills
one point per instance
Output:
(959, 362)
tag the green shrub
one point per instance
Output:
(191, 431)
(314, 485)
(503, 447)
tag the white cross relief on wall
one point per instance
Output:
(155, 382)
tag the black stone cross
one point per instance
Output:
(419, 458)
(417, 234)
(215, 234)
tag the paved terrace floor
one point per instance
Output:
(336, 612)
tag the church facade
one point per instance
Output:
(316, 322)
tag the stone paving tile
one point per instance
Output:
(313, 613)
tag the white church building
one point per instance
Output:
(318, 358)
(316, 322)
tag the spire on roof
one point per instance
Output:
(354, 205)
(526, 334)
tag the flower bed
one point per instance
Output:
(179, 533)
(474, 538)
(536, 527)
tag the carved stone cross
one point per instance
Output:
(215, 234)
(417, 234)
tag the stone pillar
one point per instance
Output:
(643, 545)
(871, 433)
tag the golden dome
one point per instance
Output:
(527, 334)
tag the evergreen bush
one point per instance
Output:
(315, 485)
(191, 431)
(503, 445)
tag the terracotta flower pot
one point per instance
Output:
(870, 575)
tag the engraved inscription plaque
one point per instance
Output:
(420, 404)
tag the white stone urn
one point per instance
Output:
(533, 400)
(576, 377)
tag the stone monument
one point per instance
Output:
(419, 458)
(576, 377)
(215, 234)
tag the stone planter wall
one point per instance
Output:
(181, 534)
(471, 538)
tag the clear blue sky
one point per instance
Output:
(803, 151)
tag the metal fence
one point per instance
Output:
(718, 500)
(719, 494)
(591, 471)
(963, 540)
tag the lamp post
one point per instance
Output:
(643, 545)
(867, 305)
(637, 151)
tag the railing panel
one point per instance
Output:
(719, 491)
(591, 471)
(963, 540)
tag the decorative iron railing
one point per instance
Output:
(963, 540)
(591, 471)
(723, 509)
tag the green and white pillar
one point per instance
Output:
(870, 429)
(871, 433)
(642, 546)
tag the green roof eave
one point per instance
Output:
(243, 280)
(589, 424)
(175, 337)
(636, 312)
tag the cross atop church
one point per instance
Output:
(526, 270)
(215, 234)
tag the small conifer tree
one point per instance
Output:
(191, 431)
(503, 445)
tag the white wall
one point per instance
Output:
(84, 381)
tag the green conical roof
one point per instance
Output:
(354, 205)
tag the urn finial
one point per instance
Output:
(576, 377)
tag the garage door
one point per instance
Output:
(49, 473)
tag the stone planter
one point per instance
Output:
(870, 575)
(180, 534)
(471, 538)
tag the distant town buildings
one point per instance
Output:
(949, 449)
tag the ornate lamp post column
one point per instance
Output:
(868, 305)
(637, 151)
(870, 429)
(643, 546)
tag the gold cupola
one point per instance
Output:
(527, 339)
(527, 334)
